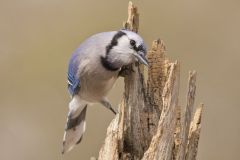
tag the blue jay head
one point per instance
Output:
(128, 48)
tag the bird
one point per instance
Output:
(92, 71)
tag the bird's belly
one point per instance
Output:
(93, 90)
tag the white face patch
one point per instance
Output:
(123, 45)
(122, 52)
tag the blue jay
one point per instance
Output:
(93, 69)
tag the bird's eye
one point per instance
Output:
(132, 42)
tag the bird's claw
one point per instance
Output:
(125, 71)
(108, 105)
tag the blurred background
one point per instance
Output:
(37, 38)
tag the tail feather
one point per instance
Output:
(75, 128)
(73, 122)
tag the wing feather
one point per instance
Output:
(73, 79)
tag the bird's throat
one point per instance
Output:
(108, 65)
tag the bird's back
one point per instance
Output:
(96, 44)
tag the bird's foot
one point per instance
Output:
(125, 71)
(108, 105)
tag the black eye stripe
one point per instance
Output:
(139, 48)
(132, 42)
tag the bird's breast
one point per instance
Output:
(96, 85)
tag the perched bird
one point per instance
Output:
(93, 69)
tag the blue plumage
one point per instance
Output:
(73, 79)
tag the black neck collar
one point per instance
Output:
(108, 65)
(104, 60)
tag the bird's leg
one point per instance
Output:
(125, 70)
(108, 105)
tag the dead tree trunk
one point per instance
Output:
(151, 125)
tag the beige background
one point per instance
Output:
(38, 36)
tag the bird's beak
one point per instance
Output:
(141, 58)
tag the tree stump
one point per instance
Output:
(151, 125)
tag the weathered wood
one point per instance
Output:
(194, 134)
(157, 77)
(110, 149)
(132, 22)
(162, 142)
(185, 119)
(151, 125)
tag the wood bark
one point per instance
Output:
(151, 125)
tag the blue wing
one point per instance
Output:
(73, 79)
